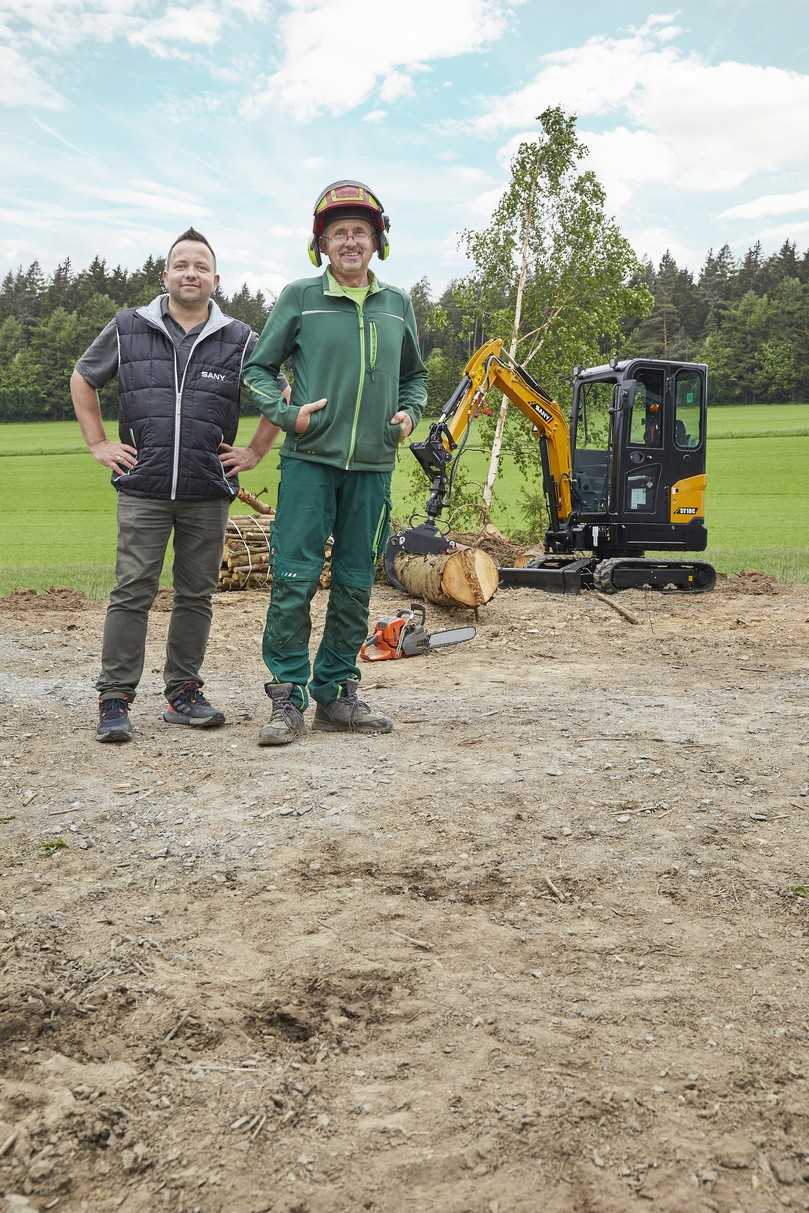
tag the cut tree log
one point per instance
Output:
(464, 577)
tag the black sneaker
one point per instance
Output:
(113, 720)
(286, 723)
(189, 706)
(348, 714)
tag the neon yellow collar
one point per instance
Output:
(333, 287)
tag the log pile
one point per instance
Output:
(246, 556)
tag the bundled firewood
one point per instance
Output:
(246, 556)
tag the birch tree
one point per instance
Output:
(553, 276)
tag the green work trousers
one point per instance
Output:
(144, 527)
(315, 501)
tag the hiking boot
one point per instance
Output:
(189, 706)
(113, 720)
(347, 714)
(286, 722)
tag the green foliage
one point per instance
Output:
(442, 379)
(47, 324)
(748, 320)
(581, 275)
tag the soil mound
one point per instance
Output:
(750, 581)
(55, 598)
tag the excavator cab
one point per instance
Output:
(637, 439)
(637, 434)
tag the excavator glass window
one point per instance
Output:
(688, 410)
(591, 456)
(592, 417)
(646, 428)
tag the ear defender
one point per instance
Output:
(383, 246)
(313, 249)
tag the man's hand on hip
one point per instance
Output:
(306, 410)
(405, 423)
(117, 456)
(235, 459)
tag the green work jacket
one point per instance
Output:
(364, 358)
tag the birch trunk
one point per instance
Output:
(497, 442)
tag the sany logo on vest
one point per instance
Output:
(213, 375)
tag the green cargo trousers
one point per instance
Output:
(315, 501)
(144, 527)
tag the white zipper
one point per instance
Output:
(177, 413)
(175, 464)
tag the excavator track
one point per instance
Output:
(625, 573)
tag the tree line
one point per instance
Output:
(747, 318)
(47, 322)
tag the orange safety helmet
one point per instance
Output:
(349, 198)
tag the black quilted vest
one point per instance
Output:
(177, 427)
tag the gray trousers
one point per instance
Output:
(144, 527)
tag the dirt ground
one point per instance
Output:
(543, 949)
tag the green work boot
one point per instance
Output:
(286, 722)
(348, 714)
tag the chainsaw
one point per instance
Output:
(404, 635)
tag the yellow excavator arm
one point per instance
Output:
(487, 370)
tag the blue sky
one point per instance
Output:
(125, 120)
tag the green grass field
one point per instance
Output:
(57, 525)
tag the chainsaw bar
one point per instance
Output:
(423, 642)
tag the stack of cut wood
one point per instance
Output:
(246, 557)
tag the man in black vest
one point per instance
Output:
(178, 362)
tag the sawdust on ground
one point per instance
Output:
(542, 948)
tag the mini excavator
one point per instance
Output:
(626, 476)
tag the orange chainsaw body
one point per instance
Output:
(385, 642)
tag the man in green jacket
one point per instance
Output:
(359, 389)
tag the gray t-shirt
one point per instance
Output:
(99, 362)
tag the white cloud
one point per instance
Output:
(57, 24)
(769, 204)
(375, 116)
(680, 121)
(397, 84)
(165, 30)
(776, 234)
(163, 203)
(196, 26)
(653, 242)
(23, 84)
(254, 10)
(375, 46)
